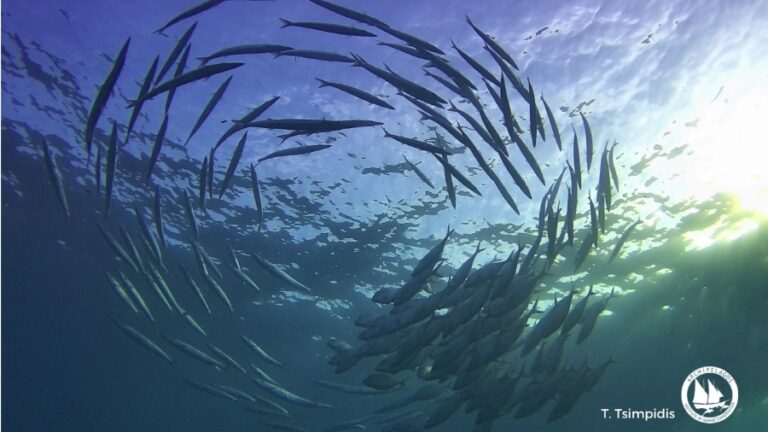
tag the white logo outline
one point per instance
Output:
(707, 396)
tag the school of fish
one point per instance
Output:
(472, 337)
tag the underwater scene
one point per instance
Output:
(311, 215)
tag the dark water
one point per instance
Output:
(346, 222)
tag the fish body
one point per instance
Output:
(286, 395)
(351, 14)
(552, 123)
(418, 172)
(159, 138)
(117, 248)
(194, 10)
(316, 55)
(195, 352)
(233, 164)
(136, 295)
(54, 175)
(103, 95)
(360, 94)
(260, 352)
(295, 151)
(218, 290)
(328, 28)
(280, 274)
(590, 145)
(417, 144)
(186, 78)
(257, 197)
(227, 359)
(212, 102)
(111, 167)
(121, 292)
(157, 216)
(144, 341)
(624, 236)
(145, 86)
(245, 50)
(251, 116)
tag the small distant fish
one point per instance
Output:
(202, 183)
(191, 215)
(111, 167)
(143, 340)
(280, 274)
(287, 395)
(121, 292)
(195, 353)
(159, 138)
(54, 175)
(97, 171)
(136, 295)
(257, 197)
(117, 248)
(588, 132)
(418, 172)
(219, 291)
(103, 96)
(260, 351)
(157, 215)
(622, 240)
(328, 28)
(131, 247)
(226, 358)
(212, 390)
(195, 288)
(449, 187)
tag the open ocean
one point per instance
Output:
(599, 166)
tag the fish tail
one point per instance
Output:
(323, 83)
(285, 22)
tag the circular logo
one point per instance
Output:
(709, 394)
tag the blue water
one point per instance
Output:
(352, 219)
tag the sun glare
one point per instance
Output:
(729, 155)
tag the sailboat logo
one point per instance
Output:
(709, 401)
(709, 394)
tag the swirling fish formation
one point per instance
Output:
(472, 339)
